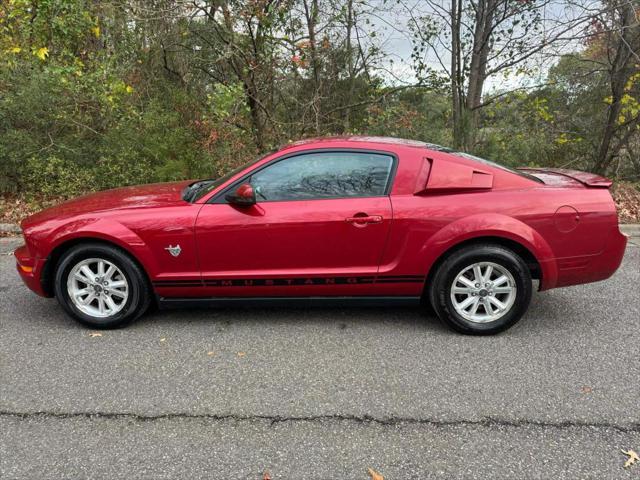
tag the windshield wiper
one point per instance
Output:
(190, 193)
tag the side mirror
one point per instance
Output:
(244, 196)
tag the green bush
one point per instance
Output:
(54, 176)
(63, 134)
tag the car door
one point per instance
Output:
(318, 228)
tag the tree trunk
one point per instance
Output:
(478, 73)
(311, 14)
(456, 74)
(247, 78)
(257, 126)
(481, 47)
(622, 68)
(350, 66)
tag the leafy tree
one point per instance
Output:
(475, 40)
(96, 95)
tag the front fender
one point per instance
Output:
(493, 225)
(107, 230)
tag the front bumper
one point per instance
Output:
(30, 269)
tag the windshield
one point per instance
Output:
(199, 189)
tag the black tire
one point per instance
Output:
(440, 291)
(139, 292)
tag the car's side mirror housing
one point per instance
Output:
(244, 196)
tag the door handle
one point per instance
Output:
(360, 220)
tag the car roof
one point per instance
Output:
(367, 139)
(442, 152)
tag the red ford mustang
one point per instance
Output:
(355, 219)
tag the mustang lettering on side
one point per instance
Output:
(339, 219)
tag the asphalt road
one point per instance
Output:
(322, 393)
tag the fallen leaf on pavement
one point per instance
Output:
(633, 458)
(211, 354)
(241, 354)
(374, 475)
(95, 334)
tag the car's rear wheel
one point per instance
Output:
(101, 286)
(481, 289)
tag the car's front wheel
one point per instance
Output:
(101, 286)
(481, 289)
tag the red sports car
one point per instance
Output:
(343, 219)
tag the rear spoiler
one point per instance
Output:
(587, 179)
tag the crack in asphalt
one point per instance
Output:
(485, 422)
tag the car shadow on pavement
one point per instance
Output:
(543, 314)
(409, 317)
(548, 310)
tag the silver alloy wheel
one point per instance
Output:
(483, 292)
(97, 287)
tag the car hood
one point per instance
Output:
(139, 196)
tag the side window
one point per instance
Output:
(324, 175)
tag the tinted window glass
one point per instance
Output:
(199, 189)
(324, 175)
